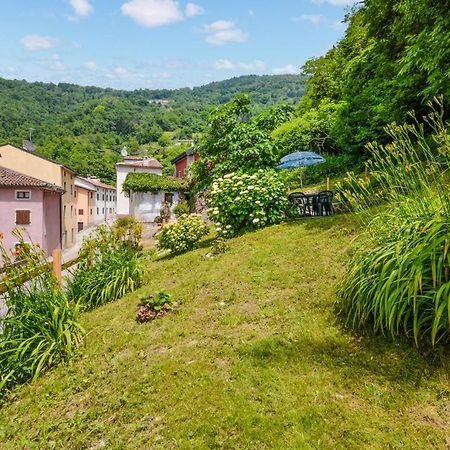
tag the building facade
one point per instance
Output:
(132, 164)
(85, 198)
(30, 164)
(183, 161)
(31, 205)
(105, 200)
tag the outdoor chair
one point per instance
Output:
(325, 203)
(302, 202)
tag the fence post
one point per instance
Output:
(328, 184)
(57, 264)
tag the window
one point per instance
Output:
(103, 210)
(91, 194)
(168, 197)
(22, 217)
(103, 197)
(71, 189)
(65, 210)
(23, 195)
(98, 211)
(98, 197)
(80, 212)
(75, 193)
(65, 186)
(71, 210)
(91, 211)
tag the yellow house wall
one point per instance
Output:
(32, 165)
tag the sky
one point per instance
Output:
(132, 44)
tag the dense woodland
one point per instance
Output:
(85, 127)
(394, 58)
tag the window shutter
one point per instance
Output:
(22, 217)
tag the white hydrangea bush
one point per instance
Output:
(244, 202)
(182, 235)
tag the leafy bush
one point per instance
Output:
(151, 182)
(41, 328)
(334, 166)
(181, 209)
(110, 267)
(154, 306)
(399, 280)
(182, 236)
(243, 202)
(129, 231)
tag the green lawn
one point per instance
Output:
(253, 358)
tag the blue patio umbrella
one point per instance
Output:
(300, 159)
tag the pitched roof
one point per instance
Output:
(150, 163)
(97, 182)
(10, 178)
(189, 152)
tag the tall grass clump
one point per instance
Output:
(41, 328)
(398, 282)
(110, 266)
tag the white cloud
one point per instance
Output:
(223, 31)
(315, 19)
(152, 13)
(289, 69)
(336, 2)
(254, 66)
(91, 65)
(36, 42)
(81, 7)
(56, 63)
(121, 72)
(193, 9)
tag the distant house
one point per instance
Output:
(183, 161)
(105, 200)
(29, 163)
(133, 164)
(144, 206)
(33, 204)
(85, 193)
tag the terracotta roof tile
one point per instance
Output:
(11, 178)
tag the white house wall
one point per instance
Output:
(123, 202)
(145, 206)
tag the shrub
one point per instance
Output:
(181, 209)
(243, 202)
(334, 166)
(183, 235)
(41, 328)
(110, 267)
(154, 306)
(399, 280)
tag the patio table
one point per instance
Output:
(313, 203)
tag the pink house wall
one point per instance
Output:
(44, 227)
(52, 222)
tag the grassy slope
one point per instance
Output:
(252, 359)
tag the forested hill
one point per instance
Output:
(85, 127)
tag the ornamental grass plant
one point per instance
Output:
(398, 282)
(110, 266)
(41, 328)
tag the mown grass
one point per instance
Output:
(252, 358)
